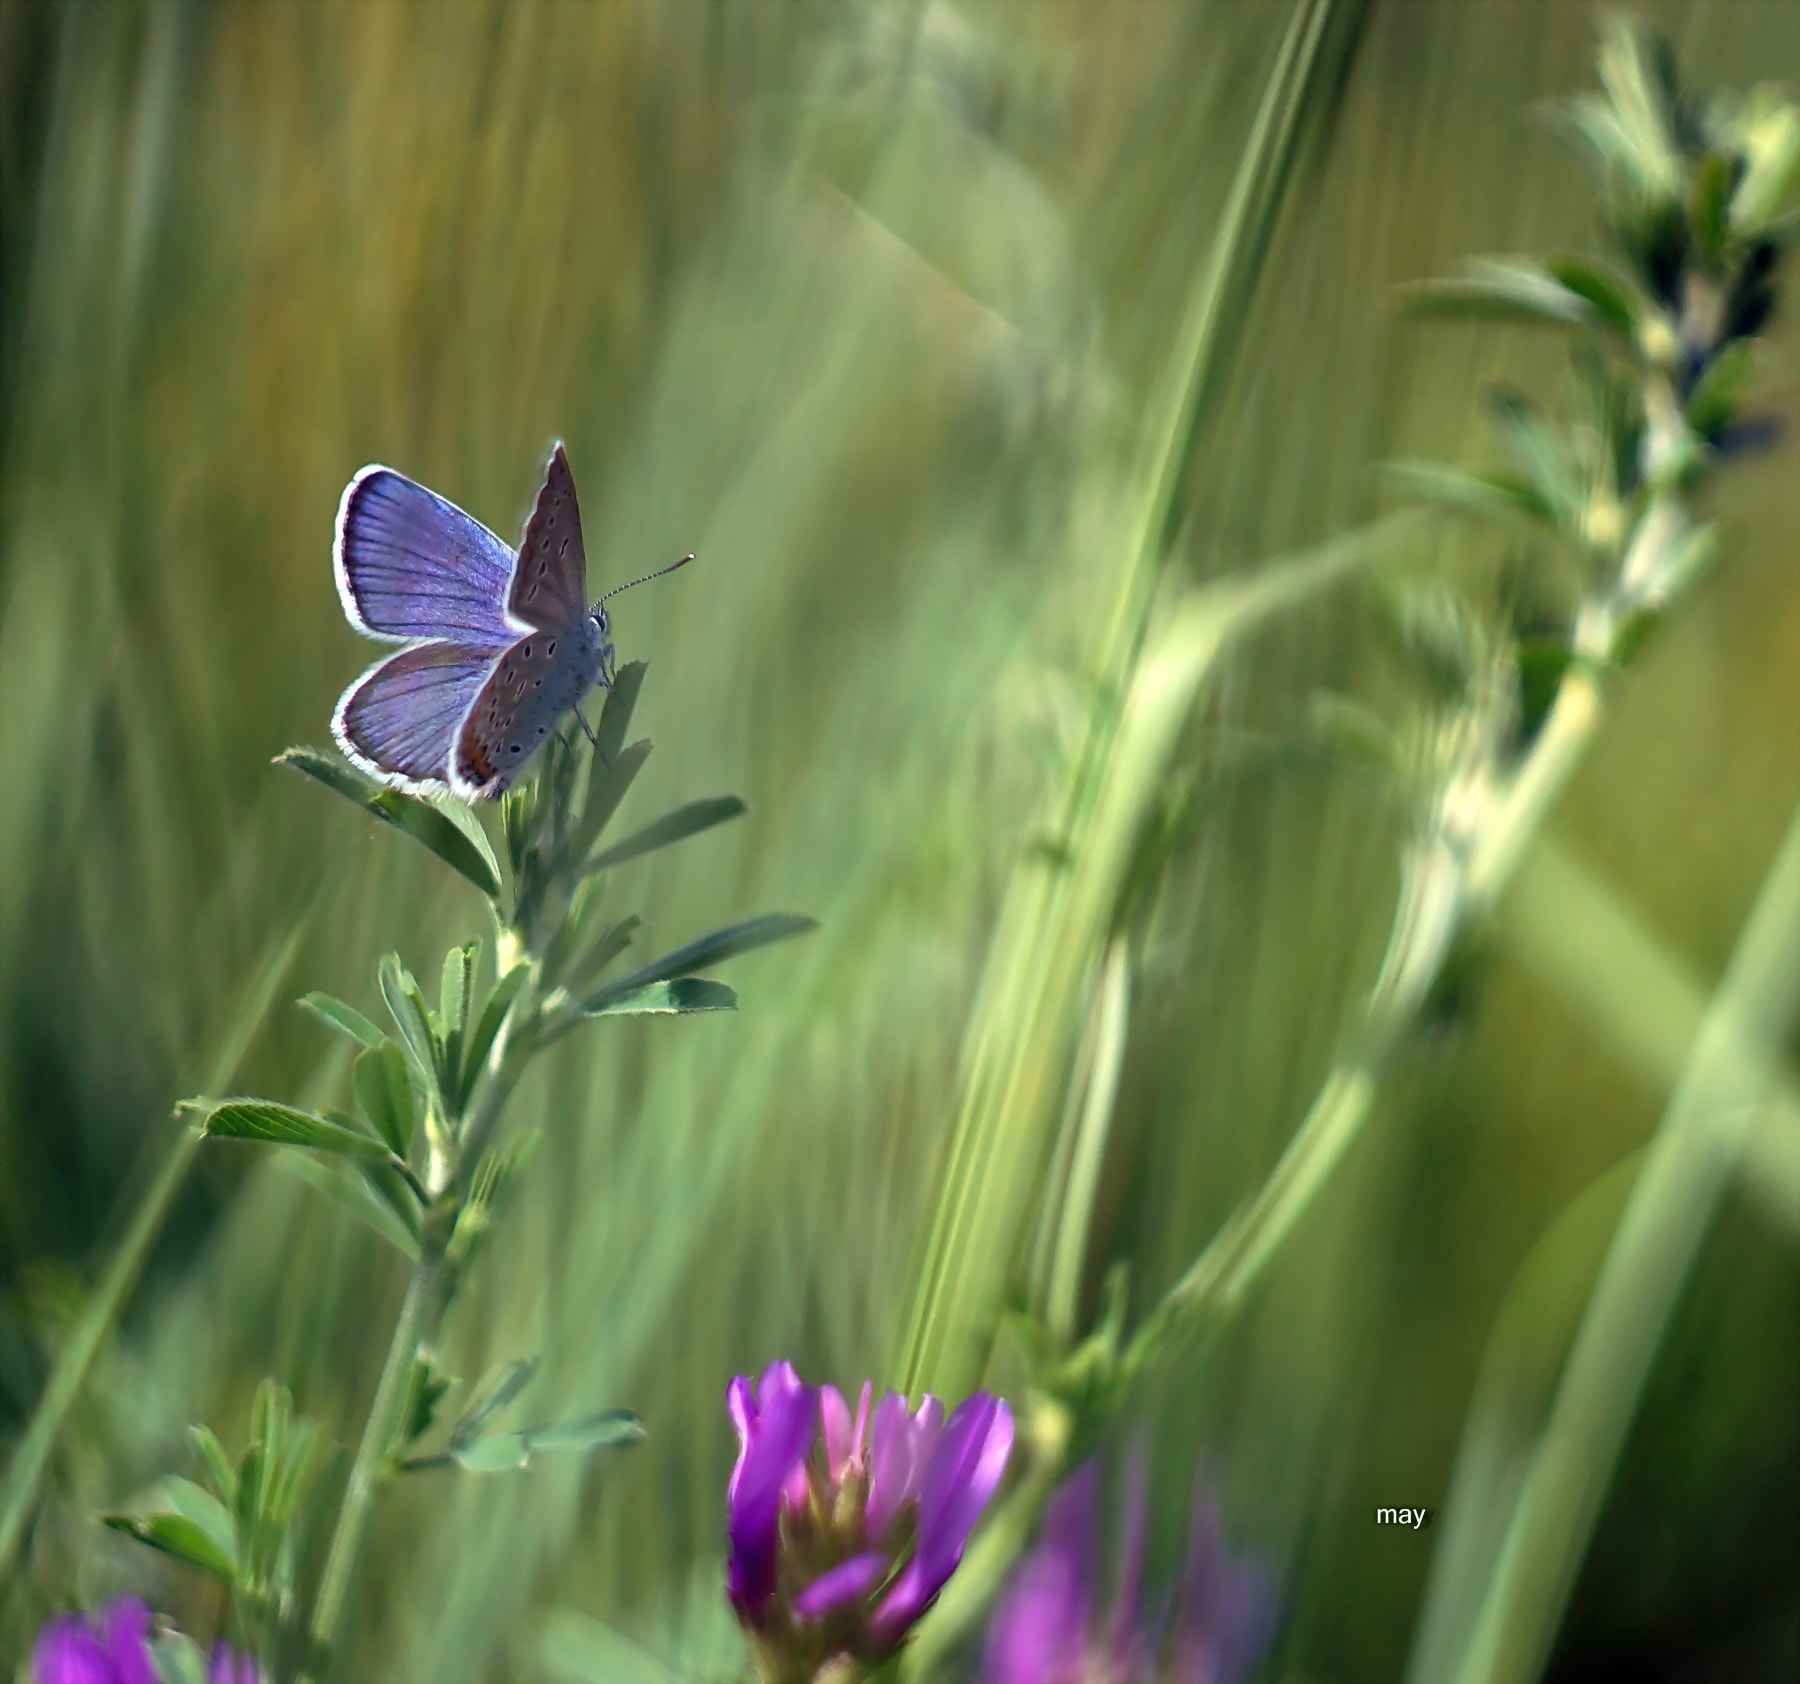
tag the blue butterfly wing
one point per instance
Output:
(530, 687)
(549, 587)
(411, 564)
(400, 720)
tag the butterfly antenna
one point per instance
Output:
(649, 576)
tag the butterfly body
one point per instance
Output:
(499, 644)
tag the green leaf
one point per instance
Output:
(397, 1193)
(252, 1469)
(467, 820)
(1717, 398)
(601, 954)
(1609, 294)
(418, 1034)
(615, 715)
(684, 821)
(290, 1463)
(1714, 183)
(708, 950)
(422, 820)
(475, 1054)
(346, 1019)
(1489, 494)
(271, 1409)
(605, 1430)
(1590, 121)
(1437, 631)
(606, 789)
(194, 1502)
(1637, 85)
(343, 1186)
(213, 1458)
(682, 995)
(571, 930)
(176, 1535)
(499, 1386)
(501, 1453)
(1769, 134)
(493, 1177)
(1508, 289)
(385, 1094)
(457, 985)
(423, 1397)
(456, 990)
(282, 1125)
(612, 1429)
(1542, 455)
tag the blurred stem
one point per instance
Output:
(1726, 1080)
(381, 1431)
(25, 1472)
(1051, 928)
(1105, 1058)
(1534, 789)
(1442, 893)
(1446, 888)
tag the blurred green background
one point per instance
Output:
(861, 301)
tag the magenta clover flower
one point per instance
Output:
(1049, 1628)
(73, 1649)
(844, 1530)
(116, 1650)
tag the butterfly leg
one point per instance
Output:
(599, 752)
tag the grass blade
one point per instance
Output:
(1686, 1168)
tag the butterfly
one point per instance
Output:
(499, 646)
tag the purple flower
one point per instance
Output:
(229, 1667)
(844, 1528)
(116, 1650)
(774, 1427)
(1049, 1630)
(73, 1650)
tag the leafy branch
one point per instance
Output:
(419, 1155)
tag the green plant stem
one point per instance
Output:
(1534, 789)
(1039, 961)
(1093, 1105)
(1723, 1085)
(414, 1331)
(418, 1315)
(1442, 896)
